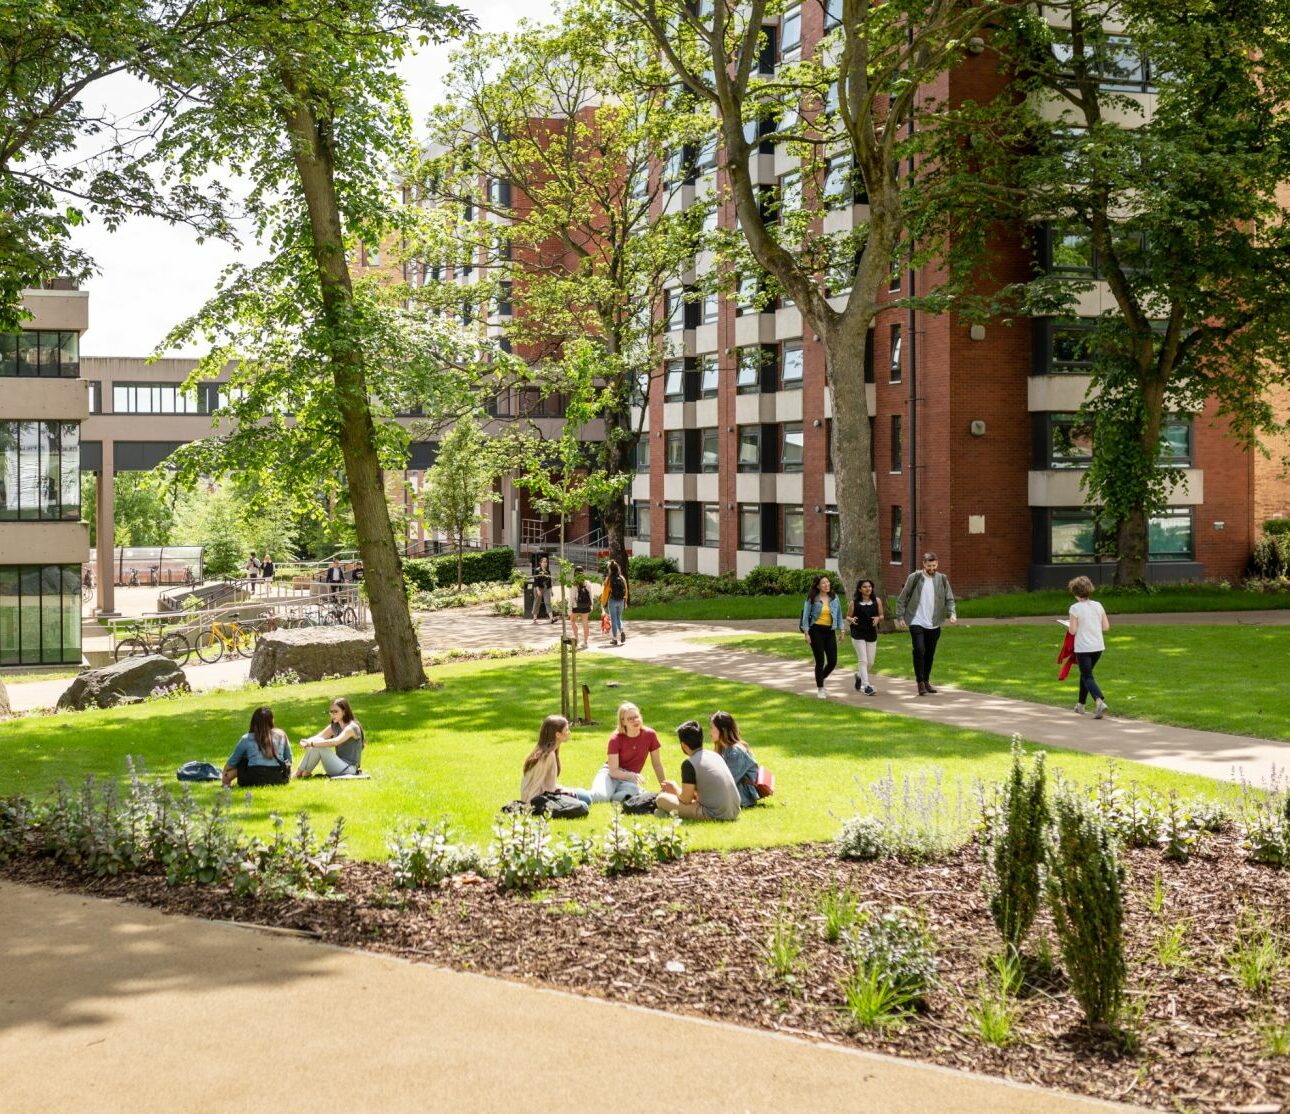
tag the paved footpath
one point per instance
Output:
(1211, 753)
(108, 1007)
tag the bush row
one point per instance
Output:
(425, 574)
(1271, 557)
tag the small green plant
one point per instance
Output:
(282, 679)
(524, 854)
(862, 838)
(15, 821)
(625, 850)
(1157, 901)
(419, 856)
(291, 864)
(1274, 1033)
(1170, 947)
(995, 1017)
(873, 1002)
(1257, 955)
(506, 609)
(1085, 892)
(1014, 848)
(1265, 824)
(784, 945)
(895, 944)
(840, 908)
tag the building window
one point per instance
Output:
(675, 516)
(674, 380)
(790, 447)
(711, 451)
(1111, 60)
(750, 448)
(676, 166)
(897, 449)
(790, 34)
(790, 193)
(155, 398)
(893, 284)
(641, 507)
(1070, 444)
(94, 388)
(1175, 443)
(1066, 346)
(711, 524)
(709, 376)
(897, 535)
(707, 157)
(674, 309)
(794, 530)
(790, 375)
(831, 102)
(640, 453)
(504, 299)
(674, 440)
(499, 191)
(1072, 536)
(40, 353)
(835, 530)
(750, 526)
(1070, 251)
(832, 14)
(709, 306)
(838, 189)
(40, 471)
(1170, 535)
(40, 615)
(748, 370)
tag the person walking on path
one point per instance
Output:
(252, 569)
(821, 620)
(613, 599)
(581, 611)
(1088, 622)
(924, 603)
(267, 569)
(335, 576)
(864, 615)
(542, 590)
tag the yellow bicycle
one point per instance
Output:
(231, 637)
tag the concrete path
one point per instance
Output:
(108, 1007)
(1216, 755)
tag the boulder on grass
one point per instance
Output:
(313, 653)
(125, 682)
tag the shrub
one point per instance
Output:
(862, 838)
(1265, 825)
(1143, 818)
(291, 864)
(916, 821)
(634, 850)
(1084, 885)
(1014, 849)
(524, 853)
(419, 856)
(1271, 557)
(425, 574)
(15, 820)
(1277, 526)
(645, 570)
(894, 946)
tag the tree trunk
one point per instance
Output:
(619, 441)
(1132, 549)
(310, 140)
(860, 542)
(461, 545)
(1133, 539)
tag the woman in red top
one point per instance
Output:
(620, 777)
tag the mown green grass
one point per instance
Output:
(456, 752)
(1215, 678)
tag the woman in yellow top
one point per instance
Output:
(821, 621)
(613, 598)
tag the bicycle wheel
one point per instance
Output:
(349, 616)
(131, 648)
(176, 648)
(209, 647)
(244, 641)
(304, 621)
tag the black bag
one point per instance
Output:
(197, 771)
(558, 806)
(253, 777)
(640, 805)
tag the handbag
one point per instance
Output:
(197, 771)
(641, 804)
(604, 622)
(765, 782)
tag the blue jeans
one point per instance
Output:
(1087, 686)
(581, 794)
(615, 608)
(604, 788)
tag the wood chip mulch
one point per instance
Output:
(691, 937)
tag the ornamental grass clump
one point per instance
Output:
(1014, 848)
(1085, 889)
(893, 966)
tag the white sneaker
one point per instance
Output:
(1100, 710)
(820, 694)
(1079, 708)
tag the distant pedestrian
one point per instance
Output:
(1088, 622)
(581, 612)
(924, 604)
(613, 598)
(335, 576)
(542, 590)
(252, 569)
(864, 615)
(820, 622)
(267, 567)
(356, 573)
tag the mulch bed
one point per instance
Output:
(691, 936)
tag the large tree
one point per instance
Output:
(301, 99)
(853, 100)
(62, 155)
(548, 131)
(1162, 149)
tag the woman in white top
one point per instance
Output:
(1088, 621)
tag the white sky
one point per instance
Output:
(152, 276)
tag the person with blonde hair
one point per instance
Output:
(542, 766)
(1088, 623)
(621, 776)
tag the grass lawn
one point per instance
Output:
(1214, 678)
(457, 751)
(1170, 598)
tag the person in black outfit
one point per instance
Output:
(864, 615)
(542, 590)
(356, 573)
(581, 613)
(267, 568)
(335, 576)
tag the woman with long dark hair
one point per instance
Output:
(821, 619)
(613, 598)
(542, 590)
(724, 733)
(864, 615)
(338, 746)
(542, 766)
(262, 756)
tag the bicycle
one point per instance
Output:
(233, 637)
(140, 643)
(336, 614)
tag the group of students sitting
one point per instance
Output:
(263, 755)
(715, 784)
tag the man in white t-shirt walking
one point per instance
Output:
(1087, 623)
(923, 605)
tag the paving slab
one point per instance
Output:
(106, 1006)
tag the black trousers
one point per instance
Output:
(924, 640)
(1087, 686)
(824, 645)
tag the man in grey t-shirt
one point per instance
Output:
(707, 791)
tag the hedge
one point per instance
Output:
(425, 574)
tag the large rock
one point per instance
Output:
(125, 682)
(313, 653)
(5, 710)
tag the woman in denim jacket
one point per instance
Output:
(821, 621)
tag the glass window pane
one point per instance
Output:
(1072, 250)
(1072, 346)
(792, 370)
(71, 614)
(8, 354)
(70, 474)
(790, 32)
(1071, 445)
(711, 524)
(711, 453)
(28, 353)
(1175, 446)
(674, 380)
(50, 469)
(1171, 536)
(69, 354)
(748, 374)
(51, 614)
(642, 521)
(48, 345)
(1072, 536)
(750, 528)
(29, 614)
(8, 470)
(676, 525)
(749, 449)
(8, 615)
(791, 454)
(793, 530)
(29, 472)
(675, 441)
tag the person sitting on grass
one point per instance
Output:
(738, 758)
(542, 767)
(620, 777)
(338, 746)
(262, 756)
(707, 791)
